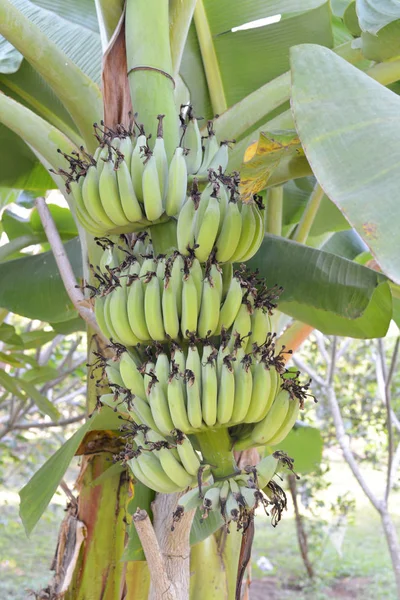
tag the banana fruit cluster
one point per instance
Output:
(217, 221)
(192, 390)
(142, 298)
(237, 497)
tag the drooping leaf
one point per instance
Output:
(324, 290)
(37, 493)
(304, 444)
(8, 335)
(263, 157)
(373, 15)
(348, 125)
(32, 286)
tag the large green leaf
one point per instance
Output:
(37, 493)
(373, 15)
(248, 59)
(304, 444)
(324, 290)
(349, 126)
(32, 286)
(72, 27)
(345, 243)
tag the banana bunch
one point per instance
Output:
(142, 298)
(126, 185)
(237, 497)
(216, 220)
(202, 153)
(193, 389)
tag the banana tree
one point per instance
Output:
(313, 166)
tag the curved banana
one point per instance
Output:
(258, 235)
(176, 393)
(109, 194)
(133, 380)
(99, 314)
(231, 305)
(270, 425)
(152, 469)
(263, 393)
(287, 425)
(226, 391)
(185, 229)
(92, 201)
(266, 469)
(177, 183)
(208, 229)
(119, 317)
(193, 144)
(170, 310)
(135, 309)
(137, 166)
(130, 204)
(153, 308)
(160, 156)
(193, 395)
(174, 469)
(152, 196)
(246, 234)
(209, 385)
(188, 455)
(159, 408)
(243, 389)
(260, 327)
(229, 236)
(209, 311)
(190, 306)
(219, 161)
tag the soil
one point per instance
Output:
(351, 588)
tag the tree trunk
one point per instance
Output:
(301, 534)
(393, 545)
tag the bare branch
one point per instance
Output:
(64, 266)
(395, 466)
(341, 434)
(160, 581)
(46, 425)
(321, 345)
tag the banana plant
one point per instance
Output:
(312, 211)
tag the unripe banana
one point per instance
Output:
(135, 309)
(109, 195)
(162, 371)
(249, 495)
(190, 308)
(143, 478)
(243, 389)
(108, 319)
(133, 380)
(99, 314)
(129, 202)
(287, 425)
(220, 158)
(231, 306)
(246, 234)
(153, 308)
(92, 201)
(159, 408)
(102, 158)
(137, 166)
(174, 469)
(80, 208)
(227, 276)
(126, 148)
(197, 274)
(178, 356)
(148, 376)
(241, 325)
(232, 509)
(176, 280)
(152, 469)
(176, 393)
(223, 205)
(191, 500)
(193, 395)
(149, 265)
(143, 410)
(226, 392)
(177, 183)
(114, 376)
(185, 227)
(260, 327)
(211, 500)
(203, 204)
(161, 159)
(193, 144)
(258, 235)
(263, 393)
(209, 312)
(210, 149)
(229, 236)
(119, 317)
(152, 197)
(187, 455)
(209, 385)
(223, 494)
(270, 425)
(170, 310)
(208, 229)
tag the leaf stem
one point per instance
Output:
(309, 214)
(64, 266)
(274, 210)
(210, 61)
(216, 448)
(180, 18)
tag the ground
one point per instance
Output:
(359, 567)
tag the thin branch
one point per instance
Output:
(321, 346)
(387, 397)
(159, 578)
(46, 425)
(310, 212)
(45, 354)
(395, 466)
(64, 266)
(341, 434)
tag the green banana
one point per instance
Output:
(137, 166)
(219, 161)
(189, 501)
(231, 305)
(185, 227)
(209, 385)
(190, 307)
(209, 311)
(153, 308)
(174, 469)
(119, 317)
(226, 392)
(133, 380)
(229, 236)
(287, 425)
(260, 327)
(187, 455)
(193, 144)
(129, 202)
(159, 408)
(162, 370)
(263, 393)
(92, 201)
(160, 156)
(257, 237)
(99, 314)
(243, 389)
(135, 309)
(266, 469)
(109, 195)
(208, 229)
(152, 469)
(177, 183)
(176, 393)
(246, 234)
(170, 310)
(211, 499)
(152, 196)
(273, 421)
